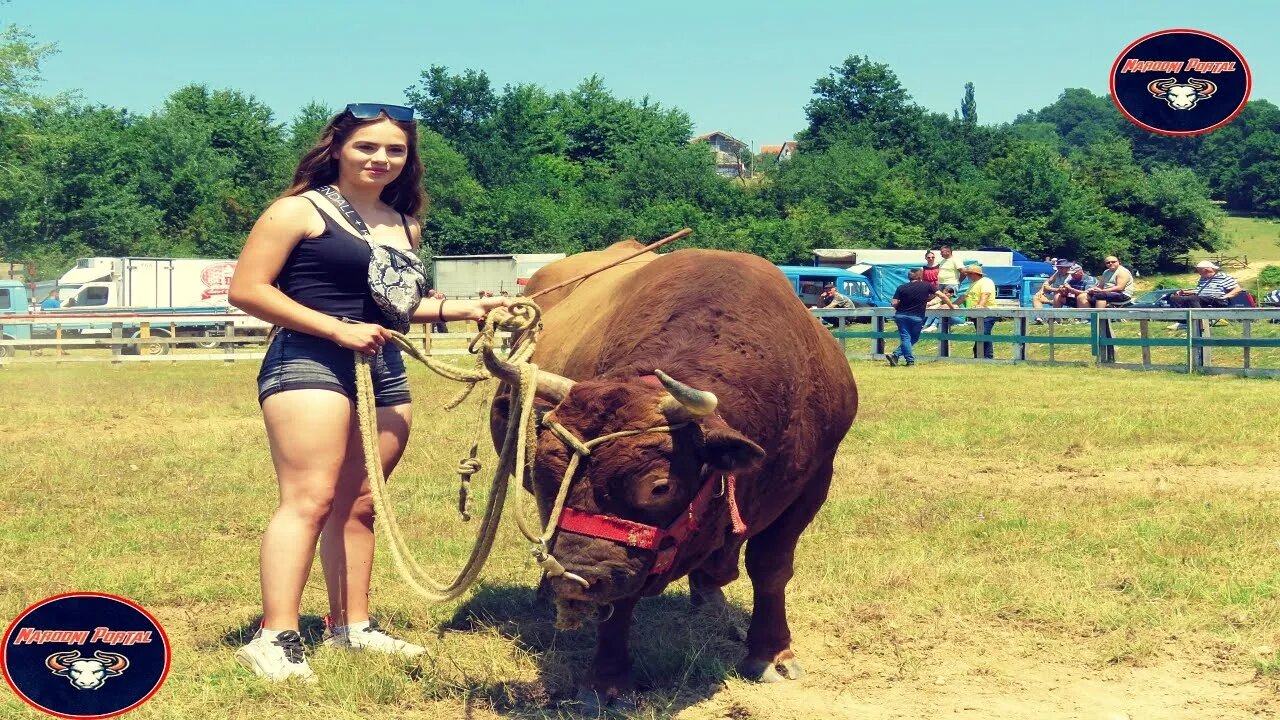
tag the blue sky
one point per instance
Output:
(744, 67)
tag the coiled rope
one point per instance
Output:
(523, 317)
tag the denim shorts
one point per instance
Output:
(298, 361)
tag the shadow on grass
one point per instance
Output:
(681, 656)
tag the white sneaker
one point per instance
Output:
(276, 660)
(371, 638)
(930, 329)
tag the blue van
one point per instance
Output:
(807, 281)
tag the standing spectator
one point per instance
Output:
(1116, 286)
(950, 269)
(910, 299)
(1048, 292)
(981, 295)
(931, 269)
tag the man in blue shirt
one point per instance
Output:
(52, 301)
(1078, 283)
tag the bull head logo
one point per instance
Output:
(87, 674)
(1180, 96)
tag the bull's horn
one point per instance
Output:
(551, 386)
(684, 401)
(57, 662)
(112, 661)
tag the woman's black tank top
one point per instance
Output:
(329, 273)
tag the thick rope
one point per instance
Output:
(522, 318)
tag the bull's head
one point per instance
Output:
(87, 674)
(1179, 96)
(647, 478)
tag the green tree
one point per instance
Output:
(969, 106)
(862, 93)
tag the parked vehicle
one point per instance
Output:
(98, 292)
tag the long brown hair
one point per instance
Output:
(318, 167)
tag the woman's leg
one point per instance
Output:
(346, 545)
(307, 430)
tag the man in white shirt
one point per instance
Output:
(950, 269)
(1115, 286)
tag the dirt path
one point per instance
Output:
(998, 680)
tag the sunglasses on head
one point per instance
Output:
(369, 111)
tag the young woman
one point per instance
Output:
(305, 268)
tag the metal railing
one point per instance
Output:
(1215, 341)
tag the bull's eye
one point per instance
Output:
(660, 489)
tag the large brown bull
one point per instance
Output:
(761, 399)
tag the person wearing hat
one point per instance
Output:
(1079, 283)
(1216, 289)
(829, 299)
(1048, 292)
(980, 295)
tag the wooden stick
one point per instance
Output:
(647, 248)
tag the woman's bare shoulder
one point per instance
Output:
(295, 211)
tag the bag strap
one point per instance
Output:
(331, 194)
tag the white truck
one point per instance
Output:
(129, 289)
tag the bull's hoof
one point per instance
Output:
(709, 600)
(769, 671)
(593, 702)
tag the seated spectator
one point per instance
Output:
(1048, 292)
(1116, 286)
(1216, 289)
(829, 299)
(1079, 283)
(932, 322)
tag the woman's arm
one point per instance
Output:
(432, 310)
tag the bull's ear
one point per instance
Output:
(727, 449)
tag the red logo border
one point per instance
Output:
(1248, 83)
(4, 665)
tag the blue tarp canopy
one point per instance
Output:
(886, 278)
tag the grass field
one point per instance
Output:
(997, 539)
(1256, 238)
